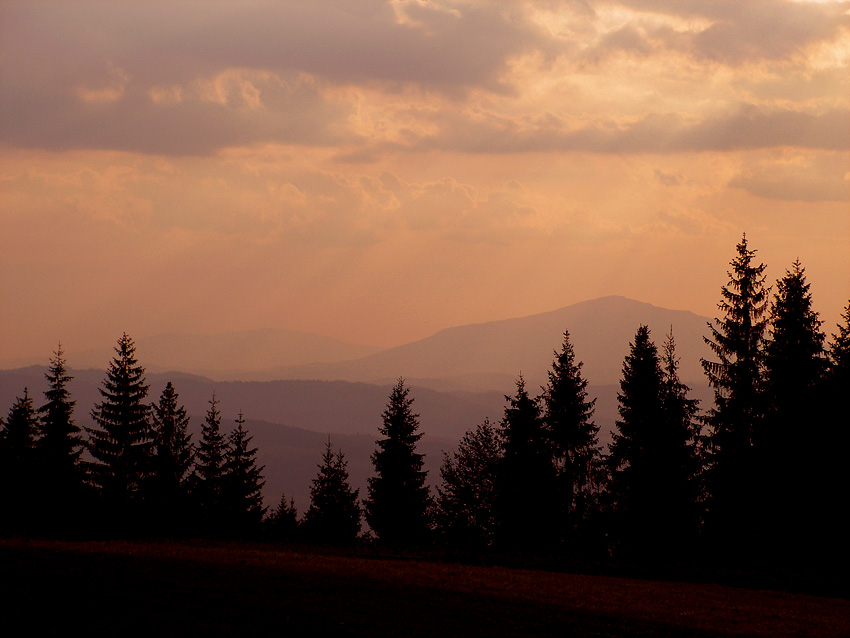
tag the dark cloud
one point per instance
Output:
(117, 54)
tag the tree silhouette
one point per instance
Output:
(795, 364)
(334, 514)
(122, 441)
(282, 524)
(243, 483)
(172, 462)
(831, 475)
(466, 499)
(18, 467)
(527, 495)
(738, 343)
(678, 458)
(208, 478)
(397, 507)
(568, 416)
(61, 480)
(637, 484)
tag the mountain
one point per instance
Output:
(227, 355)
(489, 356)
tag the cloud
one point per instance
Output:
(796, 177)
(746, 127)
(734, 33)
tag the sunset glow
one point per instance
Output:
(376, 171)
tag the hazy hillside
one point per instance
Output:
(490, 355)
(227, 355)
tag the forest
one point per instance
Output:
(757, 479)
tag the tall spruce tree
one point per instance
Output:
(172, 462)
(209, 474)
(568, 416)
(527, 494)
(18, 467)
(334, 514)
(795, 364)
(243, 483)
(466, 499)
(397, 507)
(737, 378)
(636, 449)
(833, 479)
(121, 443)
(60, 443)
(678, 457)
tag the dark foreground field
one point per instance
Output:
(167, 589)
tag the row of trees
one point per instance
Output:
(757, 476)
(141, 474)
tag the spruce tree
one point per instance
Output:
(242, 484)
(208, 478)
(334, 514)
(397, 507)
(466, 499)
(172, 462)
(60, 443)
(737, 378)
(678, 457)
(635, 451)
(527, 494)
(18, 467)
(795, 364)
(282, 524)
(568, 416)
(832, 477)
(121, 444)
(60, 446)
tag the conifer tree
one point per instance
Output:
(678, 457)
(637, 484)
(122, 441)
(243, 483)
(208, 478)
(60, 443)
(173, 457)
(831, 477)
(466, 499)
(18, 467)
(334, 514)
(737, 378)
(527, 494)
(795, 364)
(397, 507)
(282, 524)
(568, 416)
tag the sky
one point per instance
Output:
(376, 171)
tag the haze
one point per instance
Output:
(376, 171)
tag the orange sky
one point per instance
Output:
(376, 171)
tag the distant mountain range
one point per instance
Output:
(228, 355)
(489, 356)
(458, 377)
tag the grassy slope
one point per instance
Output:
(168, 589)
